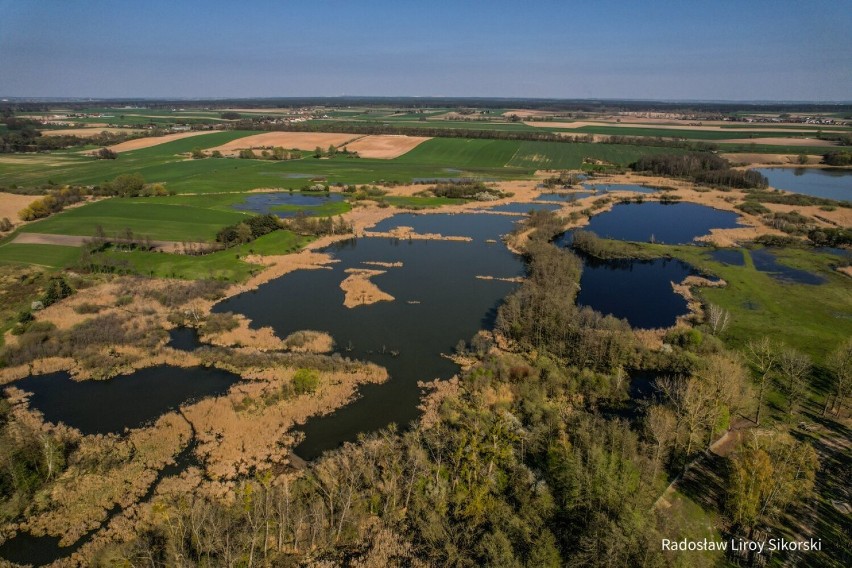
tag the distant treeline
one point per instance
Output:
(554, 105)
(701, 167)
(21, 135)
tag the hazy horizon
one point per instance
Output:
(781, 51)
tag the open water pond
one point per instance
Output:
(668, 223)
(731, 257)
(607, 188)
(183, 339)
(126, 401)
(765, 260)
(263, 203)
(639, 291)
(438, 301)
(27, 549)
(827, 183)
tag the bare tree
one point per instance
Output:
(661, 424)
(718, 318)
(794, 368)
(762, 354)
(840, 365)
(724, 385)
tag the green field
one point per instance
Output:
(50, 256)
(556, 155)
(462, 153)
(812, 318)
(154, 218)
(222, 265)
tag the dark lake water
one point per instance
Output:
(732, 257)
(439, 301)
(183, 339)
(263, 203)
(673, 223)
(126, 401)
(639, 291)
(766, 261)
(828, 183)
(26, 549)
(477, 226)
(606, 188)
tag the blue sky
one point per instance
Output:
(674, 50)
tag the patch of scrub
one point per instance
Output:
(360, 289)
(525, 207)
(608, 188)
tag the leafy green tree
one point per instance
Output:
(305, 381)
(57, 289)
(766, 476)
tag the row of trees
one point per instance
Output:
(701, 167)
(56, 200)
(248, 230)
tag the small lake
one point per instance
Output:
(126, 401)
(765, 260)
(183, 339)
(827, 183)
(668, 223)
(639, 291)
(263, 203)
(607, 188)
(731, 257)
(439, 301)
